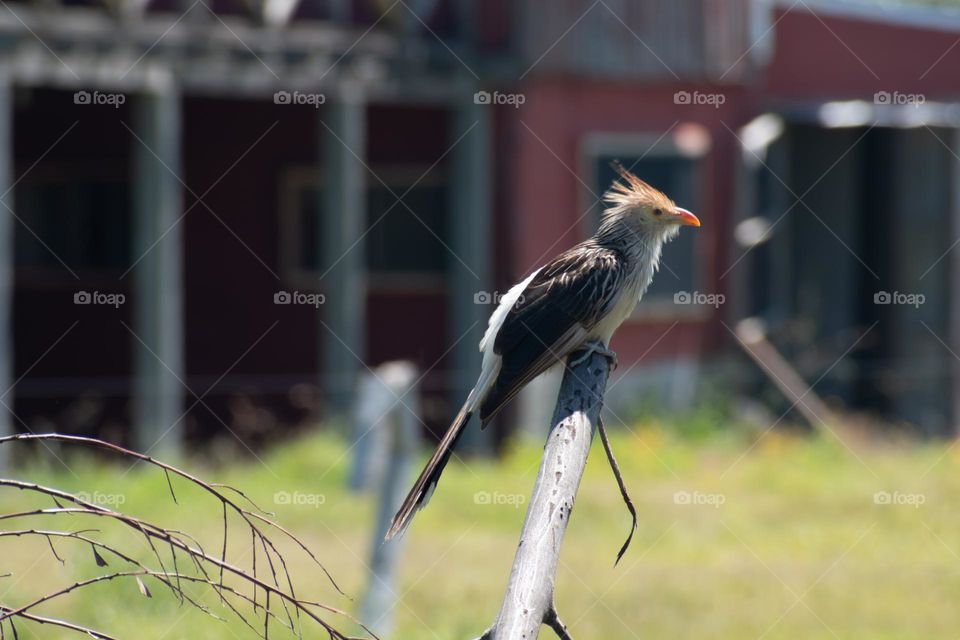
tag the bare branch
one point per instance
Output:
(623, 488)
(528, 600)
(213, 489)
(279, 588)
(552, 620)
(63, 624)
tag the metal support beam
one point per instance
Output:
(343, 209)
(470, 241)
(953, 274)
(6, 260)
(158, 293)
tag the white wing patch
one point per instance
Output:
(491, 361)
(500, 314)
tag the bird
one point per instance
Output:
(574, 302)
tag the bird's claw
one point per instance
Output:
(589, 348)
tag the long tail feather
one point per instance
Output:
(423, 488)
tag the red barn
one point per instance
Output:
(220, 214)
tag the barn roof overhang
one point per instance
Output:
(210, 54)
(913, 16)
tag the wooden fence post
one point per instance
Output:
(528, 601)
(387, 436)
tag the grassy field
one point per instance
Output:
(780, 537)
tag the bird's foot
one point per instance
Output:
(595, 346)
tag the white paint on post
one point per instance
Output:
(528, 601)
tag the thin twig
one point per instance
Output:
(213, 489)
(152, 531)
(58, 623)
(552, 620)
(282, 588)
(623, 487)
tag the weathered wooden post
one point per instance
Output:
(528, 601)
(387, 435)
(374, 401)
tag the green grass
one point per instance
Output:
(797, 549)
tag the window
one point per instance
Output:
(403, 244)
(671, 164)
(83, 220)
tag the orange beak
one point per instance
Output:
(686, 218)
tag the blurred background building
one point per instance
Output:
(277, 194)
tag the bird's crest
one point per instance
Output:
(632, 192)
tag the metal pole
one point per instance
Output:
(158, 277)
(6, 259)
(344, 218)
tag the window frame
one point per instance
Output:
(596, 144)
(398, 177)
(54, 275)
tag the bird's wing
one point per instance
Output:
(558, 309)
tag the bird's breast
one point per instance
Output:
(622, 308)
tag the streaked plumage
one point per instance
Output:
(579, 297)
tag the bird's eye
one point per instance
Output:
(658, 212)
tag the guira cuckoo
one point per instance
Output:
(576, 301)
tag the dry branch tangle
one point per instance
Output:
(253, 590)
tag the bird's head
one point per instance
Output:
(636, 205)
